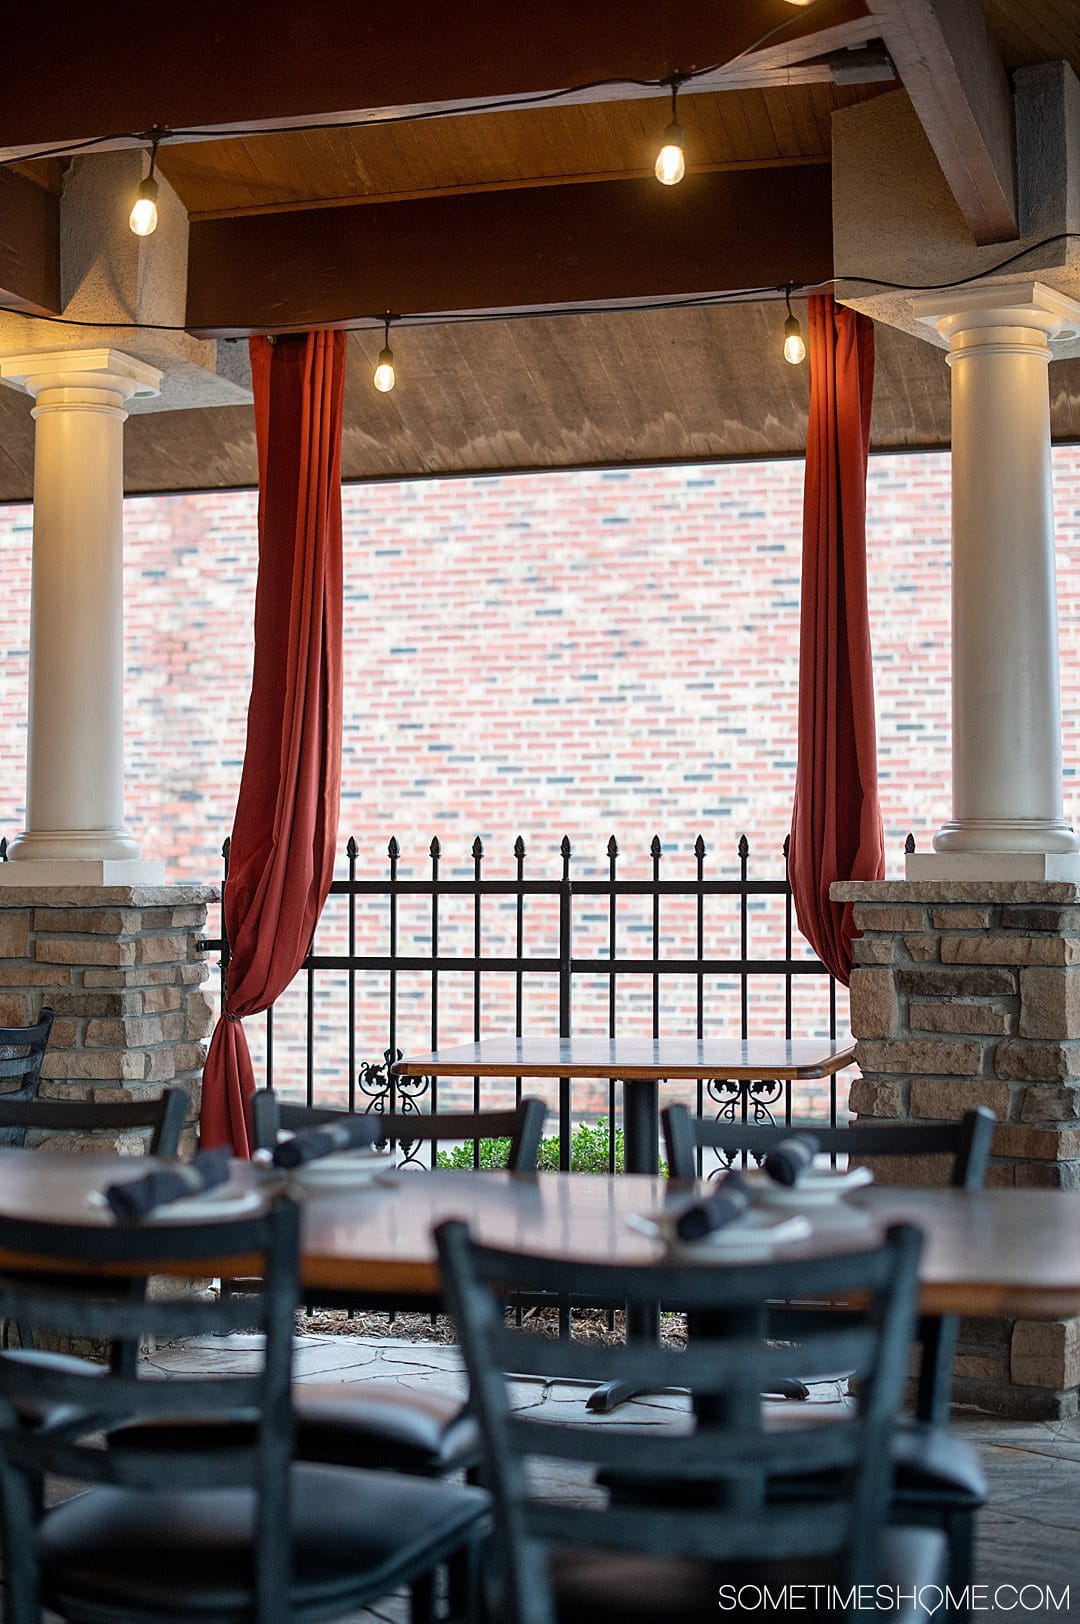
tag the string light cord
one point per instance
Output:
(498, 105)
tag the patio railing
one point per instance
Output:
(403, 960)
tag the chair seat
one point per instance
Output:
(932, 1460)
(592, 1585)
(380, 1424)
(40, 1413)
(377, 1425)
(187, 1555)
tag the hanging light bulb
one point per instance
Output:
(384, 377)
(143, 216)
(794, 346)
(670, 164)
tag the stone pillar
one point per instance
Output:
(1006, 709)
(75, 764)
(122, 968)
(967, 993)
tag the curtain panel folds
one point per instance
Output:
(281, 860)
(836, 831)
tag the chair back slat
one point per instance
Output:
(726, 1457)
(22, 1070)
(523, 1125)
(163, 1117)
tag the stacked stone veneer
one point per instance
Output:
(968, 993)
(121, 967)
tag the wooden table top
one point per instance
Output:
(630, 1058)
(1014, 1252)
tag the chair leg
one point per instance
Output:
(960, 1533)
(463, 1576)
(422, 1599)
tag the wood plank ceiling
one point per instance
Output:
(569, 390)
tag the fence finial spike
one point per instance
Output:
(909, 844)
(478, 848)
(435, 850)
(226, 847)
(787, 845)
(699, 846)
(564, 846)
(352, 850)
(519, 847)
(3, 850)
(612, 846)
(655, 848)
(744, 846)
(392, 847)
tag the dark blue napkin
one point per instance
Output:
(706, 1214)
(308, 1146)
(789, 1159)
(136, 1198)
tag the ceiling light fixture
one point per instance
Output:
(143, 217)
(670, 164)
(384, 377)
(794, 345)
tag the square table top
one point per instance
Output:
(629, 1058)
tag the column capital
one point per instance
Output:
(81, 369)
(1027, 305)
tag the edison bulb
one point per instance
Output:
(385, 377)
(671, 159)
(143, 217)
(794, 348)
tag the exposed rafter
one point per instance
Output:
(553, 246)
(197, 63)
(950, 67)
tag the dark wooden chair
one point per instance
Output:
(195, 1533)
(21, 1073)
(380, 1424)
(556, 1558)
(938, 1477)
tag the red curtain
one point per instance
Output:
(836, 829)
(281, 860)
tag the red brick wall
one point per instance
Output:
(583, 654)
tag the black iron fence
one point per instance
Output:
(405, 960)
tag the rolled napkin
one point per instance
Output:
(728, 1201)
(138, 1197)
(789, 1159)
(349, 1134)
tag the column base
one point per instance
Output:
(80, 871)
(993, 865)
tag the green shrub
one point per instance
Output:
(588, 1152)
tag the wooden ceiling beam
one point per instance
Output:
(196, 64)
(950, 67)
(29, 246)
(487, 252)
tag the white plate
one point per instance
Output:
(225, 1202)
(342, 1168)
(817, 1188)
(754, 1235)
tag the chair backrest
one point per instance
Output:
(163, 1117)
(727, 1448)
(106, 1398)
(967, 1142)
(522, 1126)
(21, 1072)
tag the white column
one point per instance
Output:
(75, 748)
(1008, 814)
